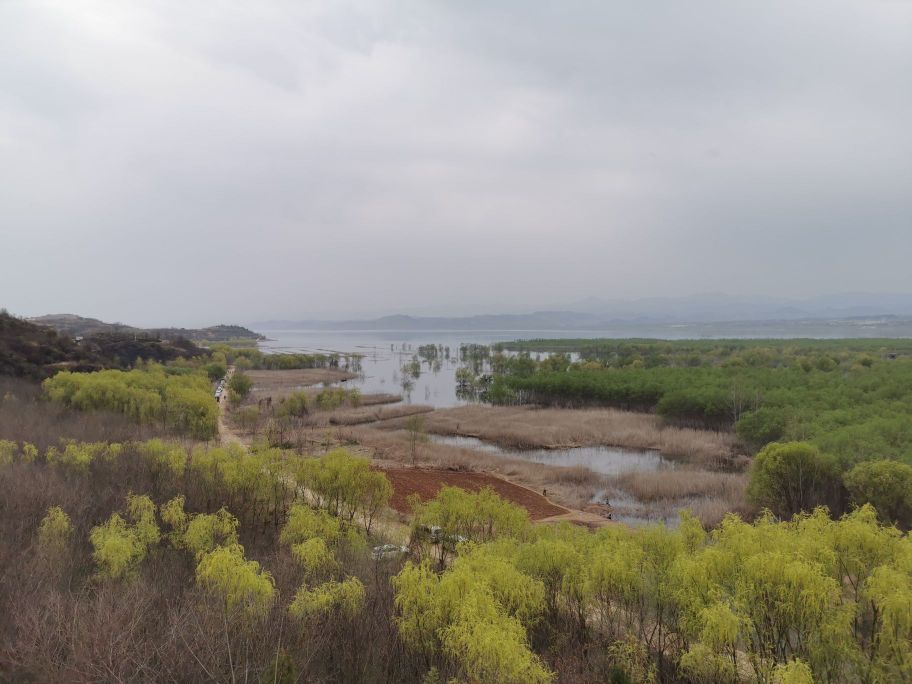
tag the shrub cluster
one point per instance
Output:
(178, 399)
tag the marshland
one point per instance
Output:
(464, 342)
(259, 459)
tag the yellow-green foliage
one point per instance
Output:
(480, 516)
(811, 597)
(491, 646)
(55, 530)
(205, 532)
(315, 557)
(305, 523)
(29, 452)
(119, 547)
(477, 612)
(345, 597)
(200, 533)
(344, 484)
(182, 401)
(141, 510)
(240, 583)
(118, 551)
(890, 590)
(8, 451)
(793, 672)
(172, 514)
(230, 465)
(80, 455)
(164, 456)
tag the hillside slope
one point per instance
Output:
(80, 326)
(32, 351)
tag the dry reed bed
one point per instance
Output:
(549, 428)
(281, 383)
(709, 495)
(670, 485)
(381, 398)
(651, 495)
(370, 414)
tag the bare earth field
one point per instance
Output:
(426, 483)
(524, 427)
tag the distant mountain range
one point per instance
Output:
(79, 326)
(594, 314)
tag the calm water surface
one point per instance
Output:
(385, 353)
(599, 459)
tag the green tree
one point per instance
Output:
(119, 547)
(887, 485)
(791, 477)
(55, 531)
(240, 583)
(241, 384)
(344, 597)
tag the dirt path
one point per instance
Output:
(226, 434)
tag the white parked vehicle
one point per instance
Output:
(388, 551)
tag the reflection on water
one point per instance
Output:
(610, 461)
(599, 459)
(422, 367)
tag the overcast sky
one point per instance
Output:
(197, 162)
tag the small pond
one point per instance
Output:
(599, 459)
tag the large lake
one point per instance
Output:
(385, 353)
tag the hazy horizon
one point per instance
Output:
(699, 308)
(178, 164)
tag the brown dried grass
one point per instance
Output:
(528, 427)
(281, 383)
(370, 414)
(708, 495)
(667, 485)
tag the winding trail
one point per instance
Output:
(226, 434)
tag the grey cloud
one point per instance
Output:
(177, 162)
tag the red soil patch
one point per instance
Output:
(426, 483)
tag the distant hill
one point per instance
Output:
(29, 350)
(80, 326)
(595, 314)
